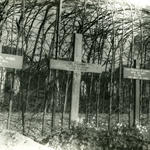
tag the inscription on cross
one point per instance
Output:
(77, 67)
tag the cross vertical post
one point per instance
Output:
(76, 78)
(148, 104)
(136, 115)
(147, 101)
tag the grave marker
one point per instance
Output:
(10, 61)
(137, 74)
(77, 67)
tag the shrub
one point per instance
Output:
(83, 137)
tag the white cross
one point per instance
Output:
(77, 67)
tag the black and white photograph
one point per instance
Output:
(74, 74)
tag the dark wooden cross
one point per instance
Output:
(137, 74)
(76, 67)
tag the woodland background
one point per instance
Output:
(114, 34)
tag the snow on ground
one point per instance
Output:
(11, 140)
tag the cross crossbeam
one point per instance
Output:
(75, 66)
(11, 61)
(134, 73)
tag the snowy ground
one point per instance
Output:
(11, 140)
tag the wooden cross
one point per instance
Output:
(14, 62)
(77, 67)
(137, 74)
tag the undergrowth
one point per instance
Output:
(85, 137)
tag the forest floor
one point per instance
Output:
(33, 123)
